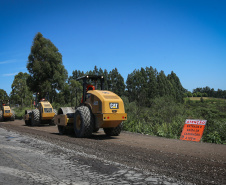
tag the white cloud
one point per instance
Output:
(8, 61)
(10, 74)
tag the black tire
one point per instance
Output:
(113, 131)
(62, 130)
(83, 122)
(35, 117)
(1, 116)
(13, 116)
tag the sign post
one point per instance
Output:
(193, 130)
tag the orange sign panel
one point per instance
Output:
(193, 130)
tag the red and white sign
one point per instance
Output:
(196, 122)
(193, 130)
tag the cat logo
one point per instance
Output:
(114, 106)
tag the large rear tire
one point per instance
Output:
(113, 131)
(1, 116)
(35, 117)
(83, 122)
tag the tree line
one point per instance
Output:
(208, 92)
(142, 86)
(47, 74)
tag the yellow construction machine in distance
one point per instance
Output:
(43, 114)
(6, 113)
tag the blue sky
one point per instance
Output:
(184, 36)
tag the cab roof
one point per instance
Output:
(91, 77)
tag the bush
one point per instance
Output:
(215, 132)
(166, 118)
(213, 137)
(20, 112)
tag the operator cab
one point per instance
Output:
(87, 87)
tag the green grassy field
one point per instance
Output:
(205, 98)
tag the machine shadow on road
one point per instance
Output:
(39, 126)
(101, 137)
(95, 136)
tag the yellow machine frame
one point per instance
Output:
(45, 105)
(102, 104)
(98, 109)
(9, 114)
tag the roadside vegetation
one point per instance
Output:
(20, 111)
(166, 118)
(157, 104)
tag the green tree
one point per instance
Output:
(116, 82)
(106, 79)
(199, 89)
(3, 95)
(163, 84)
(219, 93)
(131, 86)
(206, 90)
(142, 86)
(199, 94)
(152, 82)
(20, 93)
(189, 94)
(47, 73)
(137, 87)
(177, 90)
(63, 97)
(76, 74)
(75, 89)
(205, 95)
(96, 71)
(212, 93)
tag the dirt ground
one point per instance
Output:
(186, 162)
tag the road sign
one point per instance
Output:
(193, 130)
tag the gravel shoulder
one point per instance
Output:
(168, 161)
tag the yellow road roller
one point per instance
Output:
(6, 113)
(98, 109)
(42, 114)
